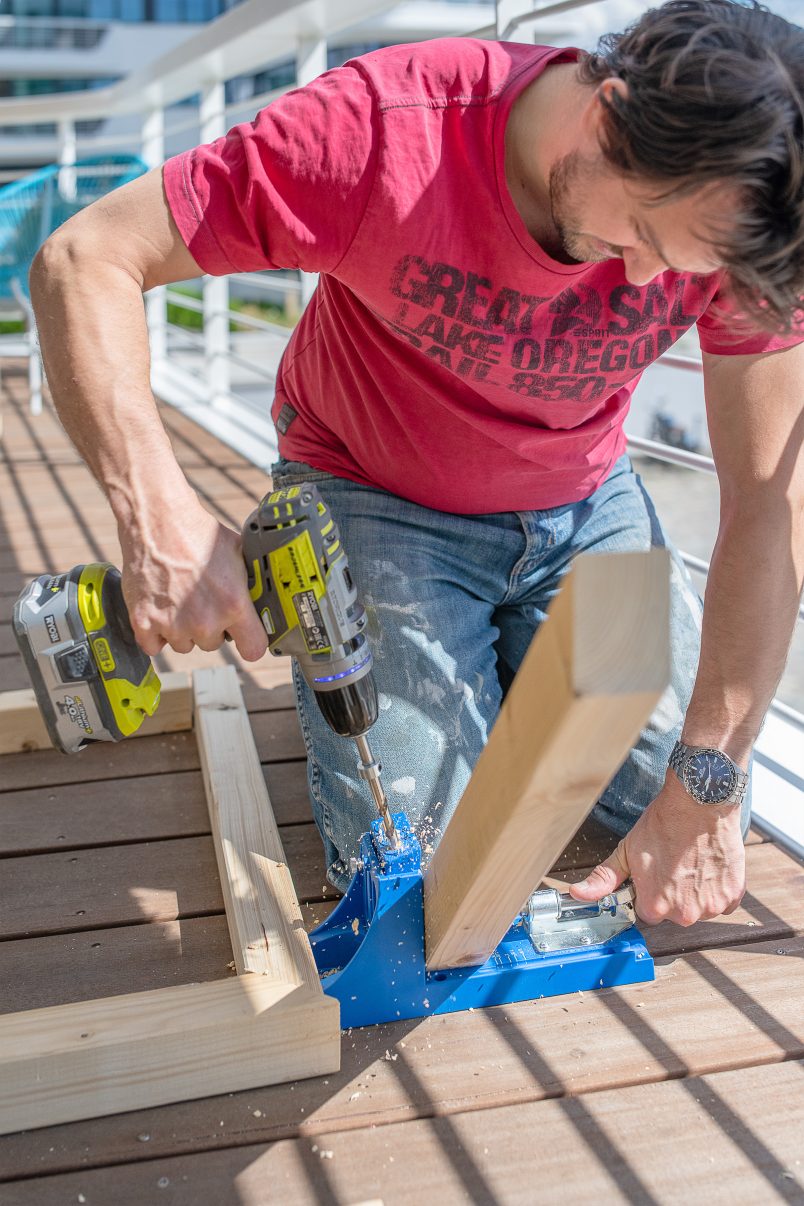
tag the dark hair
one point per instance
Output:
(716, 92)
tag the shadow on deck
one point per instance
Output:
(109, 885)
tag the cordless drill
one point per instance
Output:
(94, 683)
(300, 584)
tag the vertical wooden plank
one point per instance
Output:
(265, 922)
(588, 684)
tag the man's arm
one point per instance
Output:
(755, 406)
(687, 860)
(183, 576)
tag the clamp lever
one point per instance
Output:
(556, 921)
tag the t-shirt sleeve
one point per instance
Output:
(286, 190)
(724, 331)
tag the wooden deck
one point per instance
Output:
(690, 1088)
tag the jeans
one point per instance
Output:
(453, 602)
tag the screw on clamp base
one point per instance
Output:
(370, 770)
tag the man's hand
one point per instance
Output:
(687, 861)
(185, 584)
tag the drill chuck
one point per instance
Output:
(351, 709)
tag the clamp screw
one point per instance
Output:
(355, 865)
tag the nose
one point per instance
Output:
(641, 265)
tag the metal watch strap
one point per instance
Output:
(681, 752)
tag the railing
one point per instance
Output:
(209, 372)
(703, 464)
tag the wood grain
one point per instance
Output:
(44, 819)
(589, 682)
(141, 882)
(60, 968)
(262, 910)
(170, 1044)
(277, 735)
(725, 1137)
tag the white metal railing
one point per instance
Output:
(705, 464)
(674, 456)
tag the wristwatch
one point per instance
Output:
(708, 775)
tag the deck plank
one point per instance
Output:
(45, 819)
(60, 968)
(723, 1137)
(141, 882)
(777, 912)
(277, 735)
(111, 885)
(707, 1012)
(90, 888)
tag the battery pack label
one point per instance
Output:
(310, 621)
(72, 706)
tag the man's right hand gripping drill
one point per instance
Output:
(185, 584)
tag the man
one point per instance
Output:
(506, 236)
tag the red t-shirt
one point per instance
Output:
(444, 357)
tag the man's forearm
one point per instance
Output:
(752, 598)
(94, 342)
(184, 583)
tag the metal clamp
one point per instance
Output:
(558, 922)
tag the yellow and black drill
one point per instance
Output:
(94, 683)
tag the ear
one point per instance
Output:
(607, 89)
(604, 95)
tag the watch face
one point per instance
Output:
(709, 777)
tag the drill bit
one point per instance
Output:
(370, 770)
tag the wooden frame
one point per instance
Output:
(587, 686)
(269, 1023)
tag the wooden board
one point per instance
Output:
(171, 1044)
(589, 682)
(725, 1137)
(23, 729)
(262, 909)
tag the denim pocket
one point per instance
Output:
(293, 473)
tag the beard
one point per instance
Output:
(571, 177)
